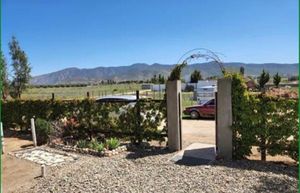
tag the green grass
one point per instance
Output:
(79, 92)
(187, 97)
(68, 93)
(187, 100)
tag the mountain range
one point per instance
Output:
(142, 71)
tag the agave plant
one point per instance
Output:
(82, 144)
(112, 143)
(100, 147)
(93, 144)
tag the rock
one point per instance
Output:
(151, 171)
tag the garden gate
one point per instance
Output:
(223, 117)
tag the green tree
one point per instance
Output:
(196, 76)
(242, 70)
(276, 80)
(161, 79)
(21, 68)
(154, 79)
(4, 77)
(293, 78)
(212, 78)
(263, 79)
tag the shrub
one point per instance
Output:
(176, 72)
(43, 130)
(264, 121)
(82, 144)
(263, 79)
(100, 147)
(88, 119)
(93, 144)
(243, 133)
(189, 88)
(112, 143)
(293, 78)
(276, 80)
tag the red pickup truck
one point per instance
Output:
(206, 110)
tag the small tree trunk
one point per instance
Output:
(263, 152)
(264, 127)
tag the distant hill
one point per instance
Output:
(141, 71)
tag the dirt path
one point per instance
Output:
(17, 173)
(198, 131)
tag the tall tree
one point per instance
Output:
(4, 77)
(21, 68)
(161, 79)
(263, 79)
(154, 79)
(276, 79)
(196, 76)
(242, 70)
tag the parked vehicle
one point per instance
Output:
(205, 93)
(117, 98)
(206, 110)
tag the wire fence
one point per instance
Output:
(94, 94)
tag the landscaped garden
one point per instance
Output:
(88, 126)
(118, 135)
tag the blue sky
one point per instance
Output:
(57, 34)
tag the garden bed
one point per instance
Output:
(105, 152)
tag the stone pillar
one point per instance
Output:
(224, 119)
(174, 112)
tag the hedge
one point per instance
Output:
(91, 119)
(265, 121)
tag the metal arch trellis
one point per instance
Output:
(202, 53)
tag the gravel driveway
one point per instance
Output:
(153, 172)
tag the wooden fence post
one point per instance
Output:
(2, 138)
(52, 98)
(138, 111)
(88, 94)
(2, 149)
(33, 132)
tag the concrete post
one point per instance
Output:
(43, 171)
(224, 119)
(174, 115)
(33, 132)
